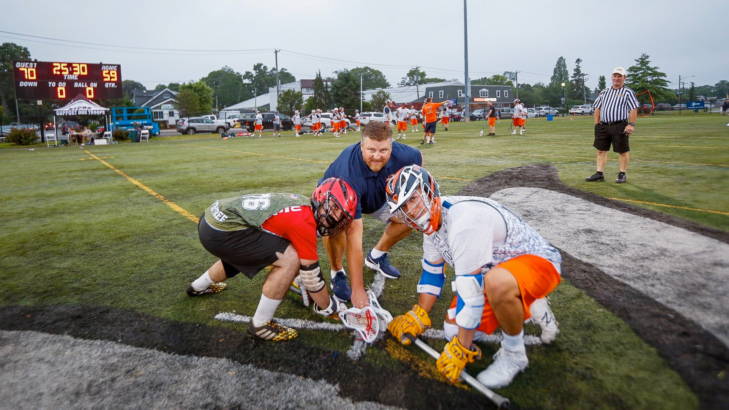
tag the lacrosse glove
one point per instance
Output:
(414, 322)
(454, 359)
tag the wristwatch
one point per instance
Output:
(632, 124)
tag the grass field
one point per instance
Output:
(114, 226)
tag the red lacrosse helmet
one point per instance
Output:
(332, 197)
(406, 190)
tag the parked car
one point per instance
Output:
(249, 120)
(506, 112)
(217, 121)
(664, 107)
(479, 114)
(366, 117)
(544, 111)
(198, 124)
(581, 110)
(231, 117)
(679, 107)
(532, 113)
(456, 116)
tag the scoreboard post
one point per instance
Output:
(47, 80)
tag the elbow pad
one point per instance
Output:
(312, 278)
(432, 278)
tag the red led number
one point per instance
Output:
(61, 91)
(29, 73)
(109, 75)
(89, 92)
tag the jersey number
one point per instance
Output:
(256, 202)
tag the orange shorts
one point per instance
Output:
(413, 121)
(517, 122)
(315, 126)
(402, 126)
(259, 127)
(357, 123)
(536, 277)
(342, 125)
(522, 122)
(492, 121)
(335, 126)
(298, 128)
(445, 120)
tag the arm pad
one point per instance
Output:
(432, 278)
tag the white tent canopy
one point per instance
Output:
(81, 106)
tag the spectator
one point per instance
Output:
(725, 107)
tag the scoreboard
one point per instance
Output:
(43, 80)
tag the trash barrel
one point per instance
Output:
(133, 136)
(550, 117)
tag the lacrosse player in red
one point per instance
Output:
(251, 232)
(504, 269)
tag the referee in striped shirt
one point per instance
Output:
(615, 111)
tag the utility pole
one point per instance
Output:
(361, 97)
(277, 81)
(679, 94)
(467, 113)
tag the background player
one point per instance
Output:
(430, 114)
(516, 118)
(446, 117)
(259, 124)
(251, 232)
(297, 122)
(356, 118)
(402, 122)
(365, 166)
(502, 266)
(413, 119)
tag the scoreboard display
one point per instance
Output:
(43, 80)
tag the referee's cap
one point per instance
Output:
(620, 70)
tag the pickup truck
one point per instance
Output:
(199, 124)
(215, 120)
(230, 117)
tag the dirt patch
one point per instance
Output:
(395, 387)
(695, 354)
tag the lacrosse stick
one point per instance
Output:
(485, 121)
(364, 321)
(501, 402)
(298, 288)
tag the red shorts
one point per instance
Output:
(413, 121)
(298, 128)
(492, 121)
(259, 127)
(402, 126)
(445, 120)
(537, 278)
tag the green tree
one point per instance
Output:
(261, 78)
(601, 84)
(8, 53)
(378, 100)
(195, 98)
(559, 74)
(414, 76)
(160, 87)
(227, 86)
(691, 96)
(371, 78)
(174, 87)
(642, 77)
(322, 98)
(289, 101)
(345, 90)
(130, 85)
(578, 91)
(721, 89)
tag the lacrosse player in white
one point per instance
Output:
(503, 271)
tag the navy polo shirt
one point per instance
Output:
(369, 185)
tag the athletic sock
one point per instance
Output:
(514, 343)
(334, 273)
(202, 282)
(376, 254)
(266, 308)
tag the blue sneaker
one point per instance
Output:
(340, 287)
(383, 266)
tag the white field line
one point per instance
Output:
(359, 347)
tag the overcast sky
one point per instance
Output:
(151, 39)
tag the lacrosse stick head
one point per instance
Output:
(364, 321)
(384, 316)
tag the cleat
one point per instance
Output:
(422, 142)
(621, 178)
(340, 288)
(597, 176)
(271, 331)
(382, 265)
(506, 366)
(542, 315)
(213, 288)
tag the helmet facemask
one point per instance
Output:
(334, 204)
(413, 197)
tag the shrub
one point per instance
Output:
(120, 135)
(22, 136)
(93, 126)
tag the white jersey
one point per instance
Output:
(447, 113)
(356, 116)
(479, 233)
(259, 119)
(297, 119)
(524, 112)
(402, 114)
(315, 118)
(413, 114)
(517, 110)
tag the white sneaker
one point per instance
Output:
(543, 316)
(521, 132)
(398, 136)
(506, 366)
(513, 132)
(404, 136)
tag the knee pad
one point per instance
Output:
(432, 278)
(311, 278)
(450, 330)
(471, 300)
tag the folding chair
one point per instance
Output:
(51, 136)
(144, 135)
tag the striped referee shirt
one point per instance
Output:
(616, 105)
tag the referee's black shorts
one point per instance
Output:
(247, 250)
(607, 134)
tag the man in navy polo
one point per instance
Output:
(365, 166)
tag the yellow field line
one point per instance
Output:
(670, 206)
(167, 202)
(267, 155)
